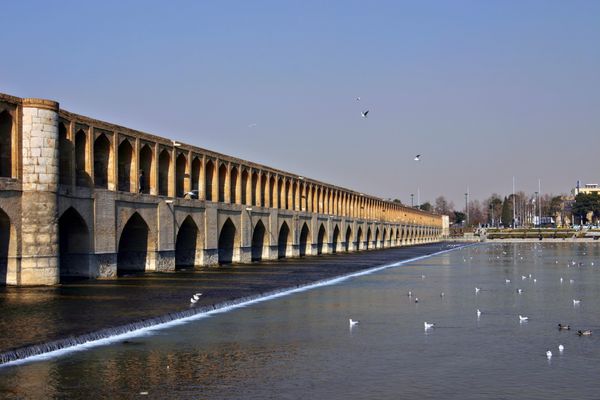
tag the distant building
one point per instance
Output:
(588, 188)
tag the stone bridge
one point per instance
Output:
(85, 198)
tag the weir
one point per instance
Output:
(83, 198)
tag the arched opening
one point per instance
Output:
(186, 245)
(258, 241)
(377, 239)
(125, 165)
(133, 246)
(208, 179)
(348, 243)
(222, 179)
(359, 239)
(283, 241)
(145, 169)
(233, 184)
(6, 123)
(164, 163)
(384, 238)
(288, 195)
(227, 242)
(64, 148)
(369, 239)
(397, 240)
(101, 160)
(335, 239)
(263, 189)
(4, 246)
(294, 205)
(255, 199)
(304, 240)
(81, 176)
(195, 174)
(272, 193)
(245, 188)
(281, 195)
(321, 239)
(180, 167)
(74, 246)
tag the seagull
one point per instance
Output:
(519, 291)
(507, 280)
(352, 322)
(576, 302)
(477, 290)
(417, 157)
(357, 98)
(523, 277)
(562, 327)
(561, 348)
(409, 294)
(534, 280)
(478, 313)
(428, 326)
(523, 319)
(416, 299)
(364, 113)
(549, 354)
(561, 279)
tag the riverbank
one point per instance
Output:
(41, 319)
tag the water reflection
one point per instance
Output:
(301, 346)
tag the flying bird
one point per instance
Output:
(417, 157)
(576, 302)
(352, 322)
(364, 113)
(478, 313)
(523, 319)
(428, 326)
(357, 98)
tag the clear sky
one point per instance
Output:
(484, 90)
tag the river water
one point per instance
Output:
(301, 345)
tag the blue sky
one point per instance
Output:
(483, 89)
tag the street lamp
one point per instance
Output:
(412, 196)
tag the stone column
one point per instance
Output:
(276, 193)
(39, 202)
(215, 181)
(238, 187)
(227, 188)
(259, 199)
(267, 200)
(202, 179)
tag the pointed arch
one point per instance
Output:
(359, 239)
(134, 245)
(81, 175)
(74, 245)
(321, 237)
(65, 148)
(145, 172)
(164, 164)
(125, 164)
(222, 179)
(335, 240)
(101, 161)
(180, 170)
(245, 188)
(348, 245)
(228, 243)
(255, 194)
(284, 241)
(209, 169)
(187, 245)
(6, 139)
(377, 238)
(259, 245)
(233, 181)
(196, 166)
(304, 243)
(272, 193)
(7, 237)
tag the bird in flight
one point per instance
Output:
(418, 157)
(364, 113)
(357, 98)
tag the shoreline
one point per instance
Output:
(111, 333)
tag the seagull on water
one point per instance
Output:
(562, 327)
(428, 326)
(409, 294)
(586, 332)
(352, 322)
(561, 348)
(523, 277)
(561, 279)
(195, 298)
(478, 313)
(549, 354)
(477, 290)
(523, 319)
(416, 299)
(576, 302)
(507, 280)
(417, 157)
(364, 113)
(519, 291)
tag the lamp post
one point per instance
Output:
(412, 203)
(467, 208)
(535, 212)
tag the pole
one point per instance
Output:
(467, 206)
(412, 196)
(514, 205)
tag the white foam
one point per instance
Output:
(165, 325)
